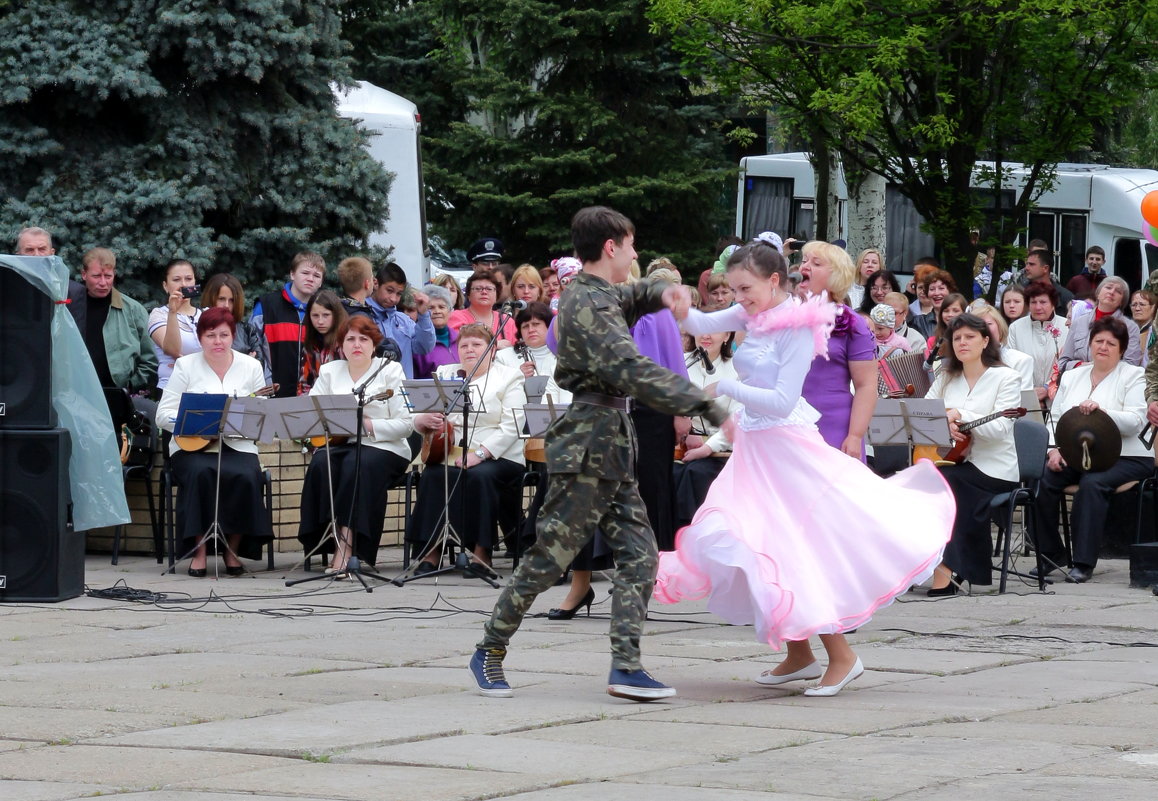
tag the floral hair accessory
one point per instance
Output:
(566, 267)
(883, 314)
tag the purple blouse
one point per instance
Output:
(426, 363)
(827, 387)
(658, 338)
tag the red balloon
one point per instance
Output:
(1150, 208)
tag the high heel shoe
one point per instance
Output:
(949, 589)
(235, 570)
(198, 572)
(567, 614)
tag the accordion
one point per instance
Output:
(903, 375)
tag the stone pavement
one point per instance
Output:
(242, 689)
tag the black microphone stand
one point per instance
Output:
(465, 562)
(353, 564)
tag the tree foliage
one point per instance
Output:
(921, 90)
(182, 128)
(554, 106)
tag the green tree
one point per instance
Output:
(920, 90)
(166, 128)
(562, 105)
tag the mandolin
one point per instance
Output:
(190, 443)
(438, 446)
(322, 441)
(957, 453)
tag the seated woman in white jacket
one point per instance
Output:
(241, 513)
(974, 383)
(385, 453)
(1021, 363)
(492, 454)
(1108, 383)
(709, 361)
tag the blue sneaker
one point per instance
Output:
(487, 668)
(637, 685)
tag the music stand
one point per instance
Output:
(1032, 406)
(326, 416)
(909, 422)
(535, 386)
(216, 416)
(445, 396)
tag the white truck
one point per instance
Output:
(1088, 204)
(395, 124)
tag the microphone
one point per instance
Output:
(933, 353)
(510, 305)
(703, 354)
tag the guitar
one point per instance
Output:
(957, 453)
(322, 441)
(191, 443)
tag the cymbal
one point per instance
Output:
(1090, 442)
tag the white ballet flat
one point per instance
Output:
(832, 689)
(812, 671)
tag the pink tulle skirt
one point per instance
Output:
(797, 539)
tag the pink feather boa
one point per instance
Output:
(816, 313)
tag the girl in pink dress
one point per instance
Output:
(796, 537)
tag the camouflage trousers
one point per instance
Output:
(575, 505)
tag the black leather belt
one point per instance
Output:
(607, 401)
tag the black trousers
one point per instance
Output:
(969, 552)
(1091, 504)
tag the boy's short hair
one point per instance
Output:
(392, 274)
(102, 256)
(308, 258)
(594, 225)
(353, 273)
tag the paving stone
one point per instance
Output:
(14, 790)
(602, 791)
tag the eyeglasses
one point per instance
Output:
(483, 288)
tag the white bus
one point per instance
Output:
(394, 124)
(1087, 205)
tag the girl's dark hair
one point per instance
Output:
(866, 305)
(761, 259)
(178, 262)
(990, 357)
(1115, 327)
(314, 340)
(727, 350)
(213, 288)
(1018, 289)
(955, 298)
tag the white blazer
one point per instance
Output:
(390, 419)
(1037, 340)
(495, 395)
(1121, 394)
(193, 374)
(1021, 363)
(998, 388)
(698, 375)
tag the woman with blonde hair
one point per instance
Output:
(527, 285)
(868, 262)
(851, 356)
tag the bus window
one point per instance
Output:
(906, 242)
(1128, 261)
(1151, 259)
(767, 206)
(1071, 257)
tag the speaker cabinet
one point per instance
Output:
(25, 354)
(41, 557)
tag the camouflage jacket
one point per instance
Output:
(597, 354)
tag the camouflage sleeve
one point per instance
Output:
(1152, 375)
(615, 359)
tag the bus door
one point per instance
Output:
(1065, 233)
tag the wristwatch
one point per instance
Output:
(482, 454)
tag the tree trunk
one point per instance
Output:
(866, 215)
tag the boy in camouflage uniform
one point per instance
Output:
(591, 452)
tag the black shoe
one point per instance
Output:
(942, 592)
(424, 568)
(567, 614)
(1079, 574)
(198, 572)
(235, 570)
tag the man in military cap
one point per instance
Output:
(591, 452)
(485, 253)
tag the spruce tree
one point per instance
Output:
(204, 129)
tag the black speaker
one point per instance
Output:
(41, 557)
(25, 354)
